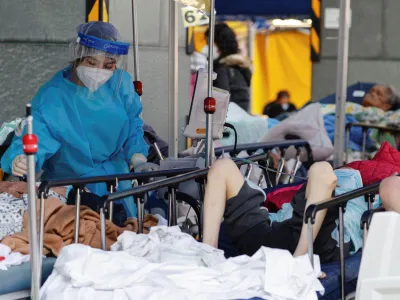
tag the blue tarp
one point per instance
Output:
(354, 93)
(263, 7)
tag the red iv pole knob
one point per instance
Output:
(138, 87)
(210, 105)
(30, 143)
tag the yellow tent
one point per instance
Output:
(281, 62)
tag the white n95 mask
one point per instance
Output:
(215, 51)
(93, 78)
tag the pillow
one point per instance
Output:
(307, 124)
(385, 162)
(373, 171)
(388, 154)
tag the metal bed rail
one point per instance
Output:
(340, 202)
(365, 127)
(112, 183)
(267, 147)
(174, 177)
(171, 183)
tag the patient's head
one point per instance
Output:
(382, 96)
(283, 97)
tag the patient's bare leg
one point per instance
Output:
(223, 183)
(322, 181)
(389, 191)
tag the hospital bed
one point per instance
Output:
(341, 276)
(15, 283)
(14, 286)
(331, 283)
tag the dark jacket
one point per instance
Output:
(234, 75)
(274, 109)
(151, 137)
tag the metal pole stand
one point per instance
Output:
(111, 187)
(296, 166)
(370, 199)
(342, 209)
(140, 213)
(30, 147)
(77, 214)
(210, 104)
(172, 214)
(201, 183)
(347, 144)
(341, 82)
(280, 166)
(309, 219)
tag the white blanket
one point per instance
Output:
(170, 265)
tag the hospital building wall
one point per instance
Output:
(34, 38)
(374, 48)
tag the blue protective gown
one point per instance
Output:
(85, 134)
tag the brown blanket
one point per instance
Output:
(59, 228)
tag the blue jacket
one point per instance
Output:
(84, 134)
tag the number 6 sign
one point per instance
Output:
(193, 17)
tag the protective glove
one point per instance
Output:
(140, 164)
(20, 165)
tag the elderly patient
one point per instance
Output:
(382, 96)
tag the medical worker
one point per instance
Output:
(87, 117)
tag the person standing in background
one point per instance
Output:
(233, 69)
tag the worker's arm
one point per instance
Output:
(47, 144)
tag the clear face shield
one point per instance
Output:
(98, 63)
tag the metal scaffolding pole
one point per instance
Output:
(209, 116)
(135, 42)
(30, 146)
(341, 82)
(173, 89)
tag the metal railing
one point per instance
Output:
(365, 127)
(267, 147)
(174, 177)
(340, 202)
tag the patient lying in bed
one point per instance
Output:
(249, 224)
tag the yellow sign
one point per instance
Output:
(93, 9)
(315, 38)
(203, 5)
(201, 131)
(193, 17)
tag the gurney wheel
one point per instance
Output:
(193, 203)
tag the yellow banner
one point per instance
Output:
(203, 5)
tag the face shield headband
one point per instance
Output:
(117, 48)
